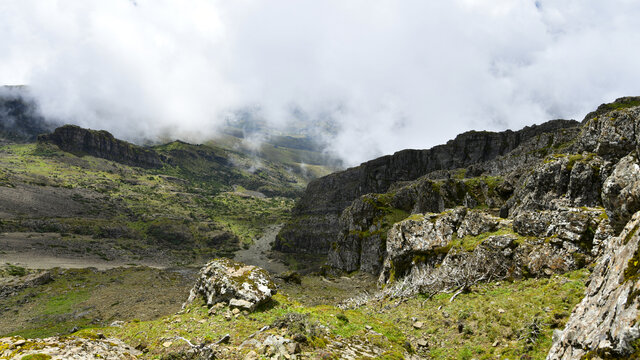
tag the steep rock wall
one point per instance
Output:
(330, 195)
(75, 139)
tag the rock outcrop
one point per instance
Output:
(228, 281)
(328, 196)
(13, 284)
(621, 191)
(431, 252)
(102, 144)
(605, 324)
(67, 347)
(363, 226)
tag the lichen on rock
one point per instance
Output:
(234, 283)
(605, 324)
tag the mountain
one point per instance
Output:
(545, 200)
(326, 197)
(519, 245)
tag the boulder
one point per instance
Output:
(238, 284)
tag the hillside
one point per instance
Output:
(515, 245)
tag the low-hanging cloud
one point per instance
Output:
(390, 74)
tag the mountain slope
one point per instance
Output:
(326, 197)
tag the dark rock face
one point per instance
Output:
(75, 139)
(335, 192)
(304, 233)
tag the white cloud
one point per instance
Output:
(393, 74)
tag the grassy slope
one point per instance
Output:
(87, 297)
(143, 203)
(507, 320)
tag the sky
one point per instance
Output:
(389, 74)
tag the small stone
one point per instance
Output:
(300, 338)
(19, 342)
(495, 343)
(224, 340)
(423, 343)
(251, 355)
(167, 344)
(418, 325)
(202, 321)
(368, 327)
(235, 311)
(502, 311)
(243, 304)
(292, 347)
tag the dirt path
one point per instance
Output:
(258, 253)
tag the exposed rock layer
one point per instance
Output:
(604, 325)
(75, 139)
(330, 195)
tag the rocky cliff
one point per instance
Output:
(77, 140)
(327, 197)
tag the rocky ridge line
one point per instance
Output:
(316, 214)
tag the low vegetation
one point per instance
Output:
(493, 320)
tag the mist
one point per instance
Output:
(387, 75)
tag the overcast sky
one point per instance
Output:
(392, 74)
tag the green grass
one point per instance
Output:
(545, 302)
(504, 315)
(75, 298)
(120, 196)
(469, 243)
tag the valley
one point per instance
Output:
(486, 247)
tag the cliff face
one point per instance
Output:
(328, 196)
(75, 139)
(605, 324)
